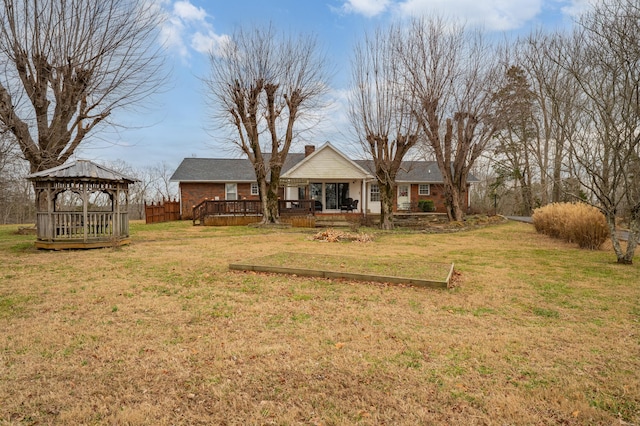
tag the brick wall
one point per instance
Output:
(436, 194)
(193, 193)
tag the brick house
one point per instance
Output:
(324, 174)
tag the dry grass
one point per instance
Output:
(577, 223)
(160, 332)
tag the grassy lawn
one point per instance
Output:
(535, 332)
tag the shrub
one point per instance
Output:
(573, 222)
(426, 205)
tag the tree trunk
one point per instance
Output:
(557, 174)
(634, 235)
(271, 212)
(454, 202)
(615, 241)
(527, 196)
(386, 206)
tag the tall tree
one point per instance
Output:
(67, 64)
(451, 72)
(380, 111)
(265, 88)
(557, 108)
(603, 57)
(516, 131)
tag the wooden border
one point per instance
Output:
(346, 275)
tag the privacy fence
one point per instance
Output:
(163, 211)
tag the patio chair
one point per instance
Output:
(350, 205)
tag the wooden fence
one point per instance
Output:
(164, 211)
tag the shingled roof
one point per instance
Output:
(81, 170)
(224, 169)
(241, 170)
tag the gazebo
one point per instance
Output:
(81, 205)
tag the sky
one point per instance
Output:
(176, 123)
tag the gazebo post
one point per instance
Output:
(85, 211)
(50, 204)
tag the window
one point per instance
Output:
(375, 192)
(254, 189)
(231, 191)
(316, 191)
(424, 189)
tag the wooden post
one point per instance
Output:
(85, 211)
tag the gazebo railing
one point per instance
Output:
(71, 225)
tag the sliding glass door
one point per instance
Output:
(332, 195)
(336, 195)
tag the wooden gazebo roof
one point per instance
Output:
(80, 170)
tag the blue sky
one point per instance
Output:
(175, 124)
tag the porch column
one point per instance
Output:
(363, 202)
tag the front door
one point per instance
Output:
(404, 202)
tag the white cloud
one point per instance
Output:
(494, 15)
(171, 35)
(209, 42)
(577, 7)
(188, 12)
(367, 8)
(187, 29)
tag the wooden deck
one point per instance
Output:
(299, 213)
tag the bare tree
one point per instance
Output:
(16, 193)
(380, 111)
(161, 177)
(603, 57)
(451, 72)
(265, 87)
(67, 64)
(557, 104)
(152, 185)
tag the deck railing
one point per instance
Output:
(72, 225)
(296, 207)
(249, 208)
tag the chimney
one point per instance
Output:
(308, 150)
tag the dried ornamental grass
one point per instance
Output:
(576, 223)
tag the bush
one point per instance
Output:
(426, 206)
(573, 222)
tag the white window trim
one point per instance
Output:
(420, 189)
(372, 192)
(255, 190)
(230, 188)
